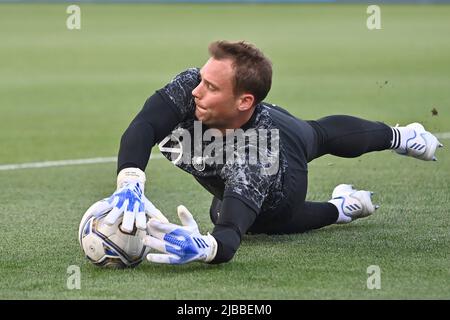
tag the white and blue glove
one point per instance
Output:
(129, 200)
(179, 244)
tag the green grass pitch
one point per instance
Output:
(70, 95)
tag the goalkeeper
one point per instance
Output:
(251, 194)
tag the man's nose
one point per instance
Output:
(196, 92)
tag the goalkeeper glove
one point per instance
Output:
(179, 244)
(129, 200)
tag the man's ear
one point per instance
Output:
(246, 102)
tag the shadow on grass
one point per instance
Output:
(326, 233)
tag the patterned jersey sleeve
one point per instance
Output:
(178, 93)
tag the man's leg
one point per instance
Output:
(308, 216)
(348, 205)
(349, 137)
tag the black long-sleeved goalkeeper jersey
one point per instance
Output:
(249, 169)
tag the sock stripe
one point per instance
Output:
(399, 138)
(395, 138)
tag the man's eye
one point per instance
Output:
(211, 87)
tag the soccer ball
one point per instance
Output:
(107, 245)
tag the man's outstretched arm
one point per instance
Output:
(154, 122)
(234, 220)
(159, 116)
(180, 244)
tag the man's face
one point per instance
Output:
(216, 104)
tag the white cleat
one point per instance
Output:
(342, 189)
(352, 204)
(420, 144)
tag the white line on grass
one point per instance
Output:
(61, 163)
(443, 135)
